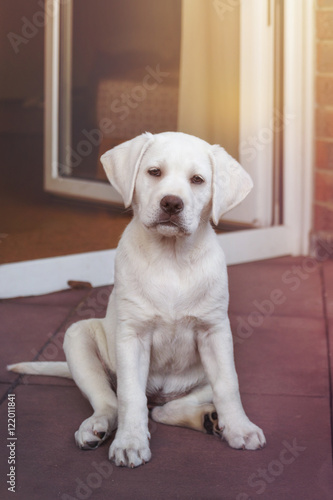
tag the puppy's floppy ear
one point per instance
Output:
(231, 183)
(121, 164)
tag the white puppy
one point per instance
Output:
(166, 335)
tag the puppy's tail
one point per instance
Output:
(50, 368)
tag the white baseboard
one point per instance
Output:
(40, 276)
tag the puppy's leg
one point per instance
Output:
(216, 352)
(131, 445)
(196, 411)
(86, 351)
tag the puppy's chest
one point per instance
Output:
(175, 295)
(174, 345)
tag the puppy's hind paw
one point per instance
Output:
(211, 424)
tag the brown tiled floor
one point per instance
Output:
(282, 317)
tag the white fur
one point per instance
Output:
(166, 332)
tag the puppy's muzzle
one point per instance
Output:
(171, 204)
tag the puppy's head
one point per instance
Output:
(175, 181)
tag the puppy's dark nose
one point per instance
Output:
(171, 204)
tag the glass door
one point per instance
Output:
(217, 69)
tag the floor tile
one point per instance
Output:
(328, 284)
(296, 462)
(330, 346)
(66, 298)
(287, 260)
(93, 306)
(283, 355)
(24, 329)
(4, 388)
(292, 289)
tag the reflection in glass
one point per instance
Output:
(119, 77)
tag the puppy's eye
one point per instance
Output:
(154, 171)
(197, 179)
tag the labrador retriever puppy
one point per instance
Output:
(166, 336)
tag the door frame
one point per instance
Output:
(53, 183)
(292, 237)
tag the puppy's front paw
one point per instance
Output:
(93, 432)
(244, 435)
(130, 451)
